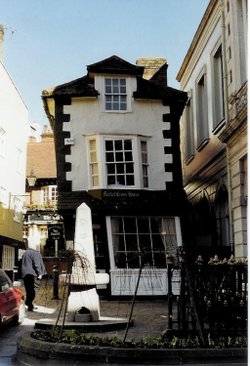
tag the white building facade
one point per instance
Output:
(117, 150)
(214, 130)
(13, 140)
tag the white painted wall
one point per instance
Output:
(14, 121)
(88, 118)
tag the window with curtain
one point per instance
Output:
(143, 238)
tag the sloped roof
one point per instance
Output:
(115, 65)
(155, 88)
(41, 158)
(83, 86)
(147, 89)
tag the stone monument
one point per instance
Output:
(83, 279)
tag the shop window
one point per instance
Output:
(143, 241)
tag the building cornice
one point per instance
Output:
(205, 20)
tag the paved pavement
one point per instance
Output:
(150, 319)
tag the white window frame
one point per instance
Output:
(101, 171)
(116, 93)
(121, 162)
(144, 163)
(128, 93)
(178, 237)
(94, 164)
(48, 195)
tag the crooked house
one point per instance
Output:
(117, 144)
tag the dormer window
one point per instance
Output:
(115, 94)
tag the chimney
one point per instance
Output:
(1, 42)
(47, 134)
(155, 68)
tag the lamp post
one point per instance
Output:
(31, 180)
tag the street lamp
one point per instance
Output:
(31, 179)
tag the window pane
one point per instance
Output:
(109, 145)
(111, 168)
(143, 225)
(129, 168)
(120, 168)
(130, 180)
(111, 179)
(93, 156)
(109, 157)
(128, 156)
(118, 144)
(95, 181)
(119, 156)
(130, 224)
(128, 144)
(121, 179)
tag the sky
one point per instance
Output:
(50, 42)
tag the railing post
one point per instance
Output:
(170, 293)
(55, 282)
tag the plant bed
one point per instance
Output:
(74, 346)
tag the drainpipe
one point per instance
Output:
(225, 82)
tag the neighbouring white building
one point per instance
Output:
(117, 142)
(214, 130)
(14, 129)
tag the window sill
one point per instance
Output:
(189, 159)
(113, 111)
(202, 144)
(219, 126)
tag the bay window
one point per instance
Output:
(118, 162)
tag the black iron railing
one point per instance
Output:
(213, 297)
